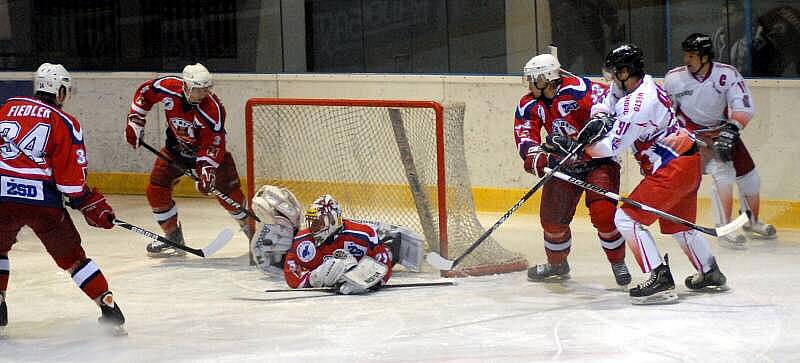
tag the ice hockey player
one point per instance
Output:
(335, 252)
(670, 163)
(712, 99)
(560, 102)
(195, 140)
(43, 160)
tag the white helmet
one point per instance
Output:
(49, 78)
(542, 65)
(195, 76)
(323, 218)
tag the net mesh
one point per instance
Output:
(380, 163)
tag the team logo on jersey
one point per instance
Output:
(306, 251)
(168, 103)
(183, 129)
(21, 188)
(564, 127)
(355, 249)
(567, 107)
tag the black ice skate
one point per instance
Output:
(658, 289)
(547, 272)
(160, 249)
(111, 318)
(3, 316)
(713, 280)
(621, 273)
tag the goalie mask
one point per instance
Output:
(323, 218)
(197, 83)
(53, 79)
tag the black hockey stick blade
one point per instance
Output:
(391, 286)
(220, 241)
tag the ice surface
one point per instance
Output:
(195, 310)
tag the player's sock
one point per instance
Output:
(90, 279)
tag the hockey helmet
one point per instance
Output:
(52, 78)
(323, 218)
(197, 82)
(626, 55)
(700, 43)
(544, 66)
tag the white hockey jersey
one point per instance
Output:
(645, 123)
(706, 103)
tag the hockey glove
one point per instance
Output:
(597, 127)
(536, 161)
(559, 144)
(723, 144)
(95, 209)
(330, 272)
(206, 175)
(134, 130)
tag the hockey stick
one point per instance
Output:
(188, 173)
(393, 286)
(716, 232)
(222, 239)
(436, 260)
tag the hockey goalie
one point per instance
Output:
(329, 251)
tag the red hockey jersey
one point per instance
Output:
(193, 130)
(304, 256)
(55, 164)
(567, 113)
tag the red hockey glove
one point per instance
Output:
(536, 161)
(95, 209)
(134, 130)
(206, 174)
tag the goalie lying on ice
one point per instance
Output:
(354, 256)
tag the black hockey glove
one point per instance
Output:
(559, 144)
(596, 128)
(723, 144)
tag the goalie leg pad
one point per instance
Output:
(407, 246)
(365, 275)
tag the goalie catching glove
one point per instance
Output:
(723, 144)
(279, 212)
(330, 272)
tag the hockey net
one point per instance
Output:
(398, 162)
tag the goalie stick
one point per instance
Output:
(716, 232)
(188, 173)
(392, 286)
(436, 260)
(220, 241)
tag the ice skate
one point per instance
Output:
(158, 249)
(111, 318)
(734, 240)
(621, 273)
(713, 280)
(3, 316)
(658, 289)
(547, 272)
(760, 230)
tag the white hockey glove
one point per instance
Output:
(330, 272)
(365, 275)
(269, 244)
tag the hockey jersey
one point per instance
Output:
(45, 158)
(193, 131)
(304, 256)
(702, 103)
(567, 113)
(645, 123)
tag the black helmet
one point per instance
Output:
(699, 43)
(626, 55)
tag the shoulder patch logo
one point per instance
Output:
(169, 104)
(306, 251)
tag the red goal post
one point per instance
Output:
(395, 161)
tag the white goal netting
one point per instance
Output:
(399, 162)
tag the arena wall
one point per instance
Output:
(102, 100)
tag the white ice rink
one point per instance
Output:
(196, 310)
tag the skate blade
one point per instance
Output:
(550, 279)
(732, 245)
(712, 289)
(659, 298)
(754, 235)
(167, 254)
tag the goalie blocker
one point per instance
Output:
(280, 212)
